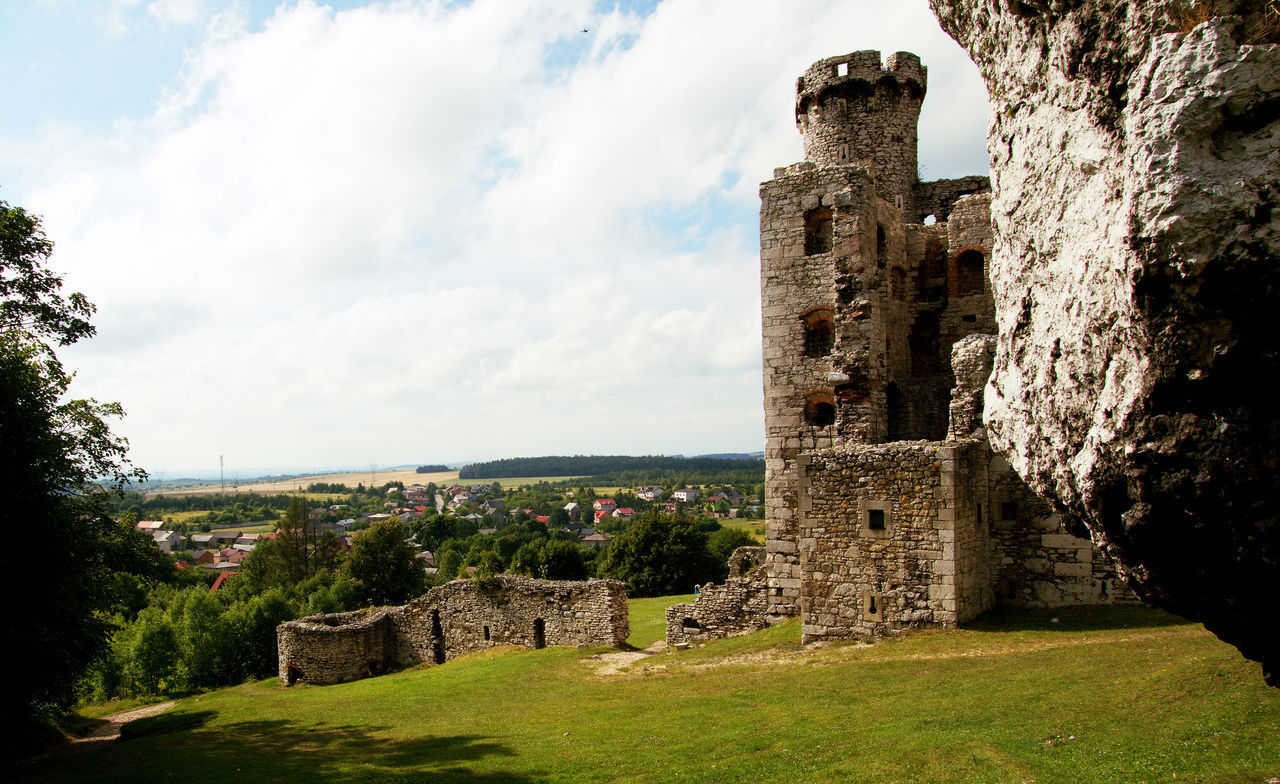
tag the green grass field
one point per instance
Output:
(648, 618)
(1106, 695)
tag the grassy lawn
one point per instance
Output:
(648, 618)
(753, 527)
(1106, 695)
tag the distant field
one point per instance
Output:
(1104, 695)
(753, 527)
(350, 479)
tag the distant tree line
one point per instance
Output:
(597, 465)
(432, 469)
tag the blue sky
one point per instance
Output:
(326, 235)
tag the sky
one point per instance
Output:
(330, 235)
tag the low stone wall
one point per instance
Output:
(450, 620)
(740, 606)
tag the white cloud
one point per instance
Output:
(424, 231)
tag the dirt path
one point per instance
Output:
(108, 731)
(615, 663)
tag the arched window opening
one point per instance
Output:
(819, 332)
(818, 231)
(930, 219)
(820, 409)
(971, 272)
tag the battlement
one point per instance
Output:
(859, 72)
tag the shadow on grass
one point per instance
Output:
(281, 750)
(1073, 619)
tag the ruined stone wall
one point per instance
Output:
(939, 197)
(467, 615)
(336, 647)
(740, 606)
(450, 620)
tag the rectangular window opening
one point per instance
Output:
(875, 519)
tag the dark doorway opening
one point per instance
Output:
(292, 675)
(437, 638)
(539, 633)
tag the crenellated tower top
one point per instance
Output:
(851, 109)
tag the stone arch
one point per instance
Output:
(819, 331)
(820, 408)
(969, 271)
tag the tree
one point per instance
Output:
(722, 543)
(384, 565)
(62, 466)
(659, 555)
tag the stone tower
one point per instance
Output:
(851, 110)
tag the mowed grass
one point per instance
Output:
(648, 618)
(1106, 695)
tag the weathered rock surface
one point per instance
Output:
(1136, 264)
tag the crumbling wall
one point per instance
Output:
(336, 647)
(740, 606)
(1137, 220)
(939, 197)
(452, 619)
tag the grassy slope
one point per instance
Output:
(648, 618)
(1120, 694)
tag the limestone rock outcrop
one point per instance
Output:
(1135, 159)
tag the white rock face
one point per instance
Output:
(1136, 271)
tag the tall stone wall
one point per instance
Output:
(450, 620)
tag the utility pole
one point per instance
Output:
(373, 475)
(222, 477)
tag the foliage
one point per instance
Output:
(61, 464)
(659, 554)
(431, 469)
(722, 543)
(595, 465)
(383, 565)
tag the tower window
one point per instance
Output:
(818, 231)
(882, 246)
(820, 409)
(819, 332)
(875, 519)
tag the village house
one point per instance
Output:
(687, 494)
(650, 494)
(606, 505)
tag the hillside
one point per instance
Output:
(1112, 694)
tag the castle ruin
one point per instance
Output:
(886, 507)
(449, 620)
